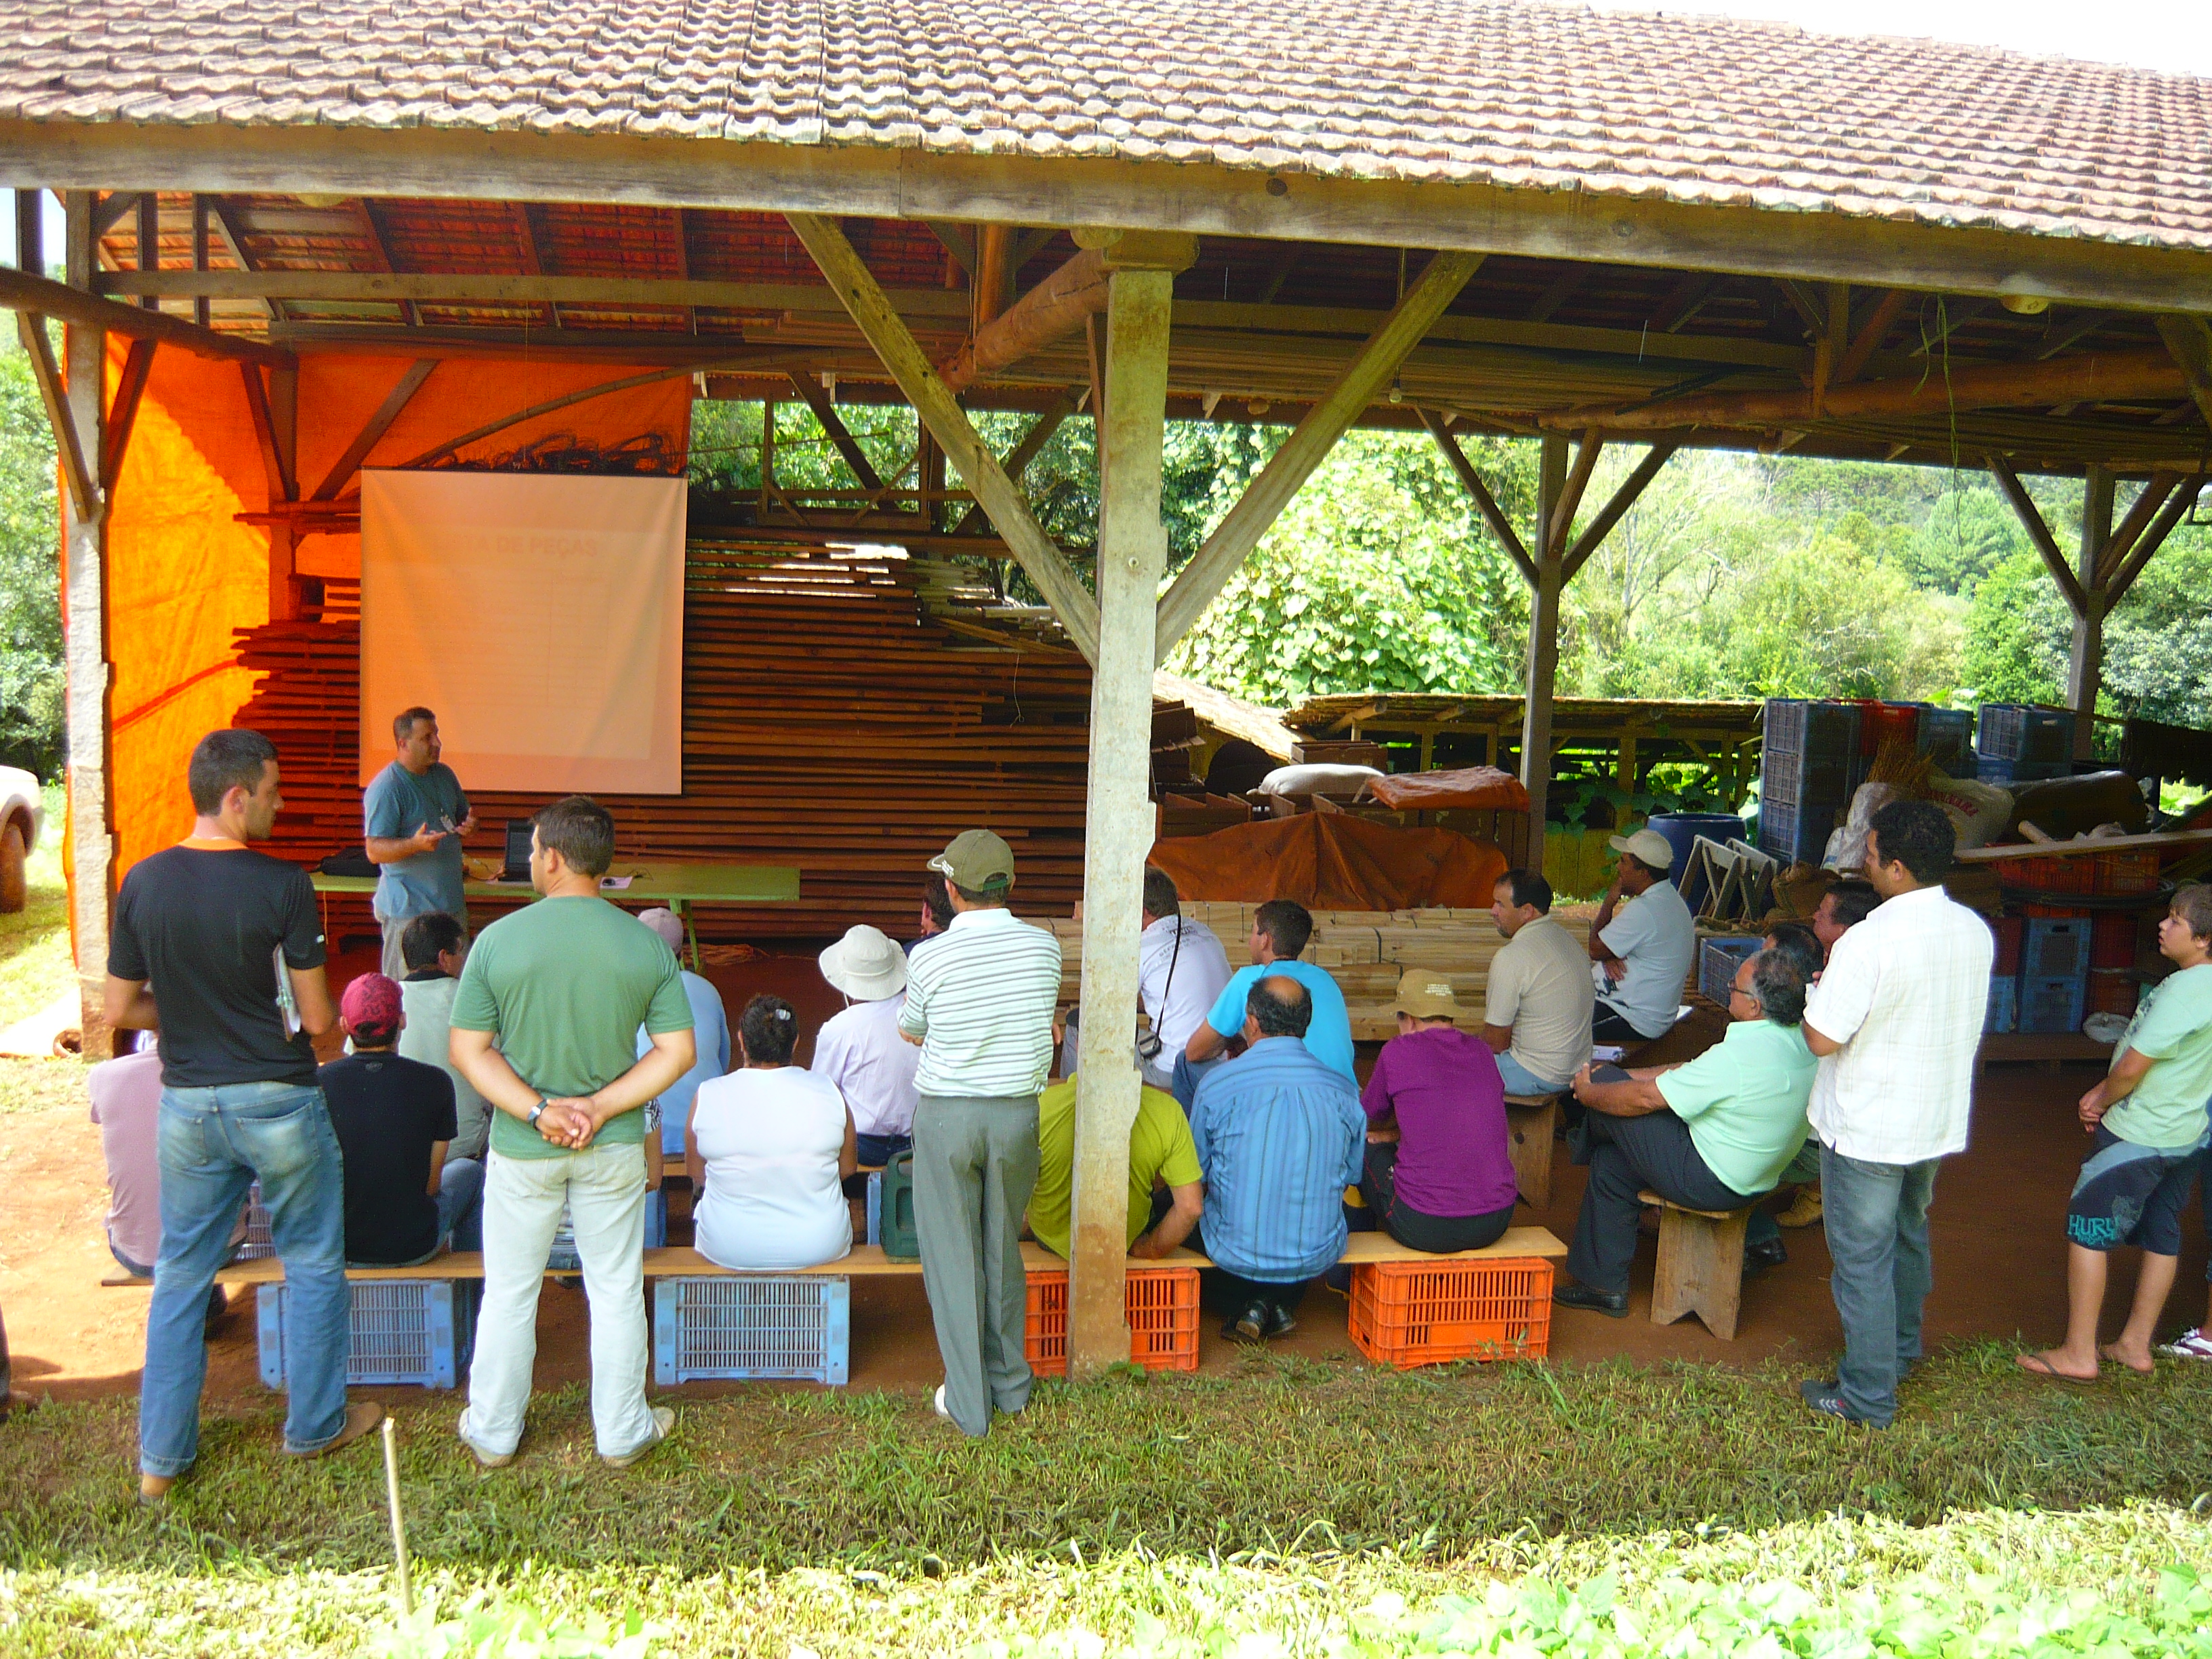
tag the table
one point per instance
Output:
(680, 886)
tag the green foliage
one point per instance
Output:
(486, 1629)
(31, 690)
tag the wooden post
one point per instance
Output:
(30, 237)
(1543, 662)
(1132, 547)
(2085, 663)
(84, 650)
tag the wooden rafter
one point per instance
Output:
(1616, 508)
(370, 218)
(1870, 333)
(108, 212)
(21, 291)
(1807, 304)
(975, 521)
(224, 218)
(123, 412)
(1277, 273)
(943, 418)
(2189, 342)
(959, 241)
(1056, 307)
(1029, 245)
(374, 429)
(1688, 298)
(2121, 541)
(84, 491)
(281, 486)
(2154, 537)
(1485, 502)
(2077, 328)
(817, 397)
(2038, 532)
(1562, 519)
(147, 239)
(1560, 289)
(1953, 314)
(1327, 421)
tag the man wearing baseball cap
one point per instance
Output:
(1643, 942)
(1440, 1177)
(405, 1200)
(979, 1000)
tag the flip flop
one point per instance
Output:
(2036, 1365)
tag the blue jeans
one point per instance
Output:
(213, 1143)
(1520, 1081)
(876, 1150)
(1876, 1217)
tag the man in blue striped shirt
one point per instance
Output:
(1280, 1135)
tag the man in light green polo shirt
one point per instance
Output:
(1161, 1152)
(1714, 1134)
(545, 1026)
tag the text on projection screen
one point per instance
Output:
(540, 617)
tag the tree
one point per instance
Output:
(31, 690)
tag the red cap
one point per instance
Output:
(371, 1007)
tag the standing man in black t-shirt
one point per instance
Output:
(219, 949)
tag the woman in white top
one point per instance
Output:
(768, 1147)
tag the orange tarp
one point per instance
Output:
(1477, 788)
(1332, 861)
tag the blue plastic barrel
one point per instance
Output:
(1682, 830)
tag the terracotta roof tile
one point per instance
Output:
(1508, 92)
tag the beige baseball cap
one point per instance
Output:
(1646, 847)
(1426, 994)
(977, 860)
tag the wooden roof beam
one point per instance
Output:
(1265, 497)
(148, 241)
(2038, 532)
(1054, 308)
(2121, 541)
(817, 397)
(2189, 342)
(22, 291)
(1485, 502)
(223, 216)
(370, 219)
(1554, 531)
(83, 488)
(2179, 503)
(1561, 289)
(1615, 509)
(123, 412)
(376, 426)
(943, 418)
(1868, 338)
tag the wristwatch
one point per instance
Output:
(536, 1112)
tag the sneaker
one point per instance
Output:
(1281, 1321)
(937, 1403)
(361, 1416)
(1614, 1304)
(484, 1460)
(1827, 1398)
(664, 1425)
(1250, 1326)
(1767, 1253)
(1804, 1210)
(2193, 1344)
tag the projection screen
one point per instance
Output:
(542, 617)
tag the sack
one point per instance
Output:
(1978, 812)
(350, 861)
(1847, 847)
(1317, 778)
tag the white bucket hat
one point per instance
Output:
(866, 964)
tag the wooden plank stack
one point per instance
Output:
(828, 723)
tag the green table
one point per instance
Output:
(680, 886)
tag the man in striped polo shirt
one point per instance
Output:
(979, 1000)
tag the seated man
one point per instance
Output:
(1442, 1178)
(710, 1027)
(405, 1200)
(1536, 1012)
(1165, 1193)
(1279, 1134)
(1643, 941)
(1843, 908)
(1710, 1135)
(1181, 971)
(126, 1103)
(2148, 1116)
(1280, 928)
(936, 914)
(859, 1049)
(434, 949)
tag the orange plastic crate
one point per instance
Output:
(1422, 1313)
(1163, 1307)
(2132, 871)
(2054, 875)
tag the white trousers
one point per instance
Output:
(604, 1187)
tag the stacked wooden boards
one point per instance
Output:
(828, 723)
(1363, 950)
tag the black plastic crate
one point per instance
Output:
(1796, 834)
(1793, 779)
(1947, 737)
(2021, 732)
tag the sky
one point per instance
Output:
(2172, 35)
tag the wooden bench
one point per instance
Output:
(1533, 1124)
(1700, 1267)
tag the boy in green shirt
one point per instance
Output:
(2148, 1118)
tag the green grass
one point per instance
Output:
(34, 952)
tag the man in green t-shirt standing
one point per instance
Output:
(2148, 1116)
(546, 1026)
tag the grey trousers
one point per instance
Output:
(975, 1166)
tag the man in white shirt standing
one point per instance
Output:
(1643, 942)
(1181, 969)
(1896, 1019)
(861, 1050)
(979, 1000)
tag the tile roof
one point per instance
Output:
(1510, 92)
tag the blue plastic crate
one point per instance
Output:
(1718, 960)
(2004, 992)
(1947, 737)
(2054, 947)
(1809, 725)
(563, 1259)
(875, 1206)
(2052, 1006)
(413, 1331)
(1796, 834)
(2006, 774)
(2022, 731)
(750, 1326)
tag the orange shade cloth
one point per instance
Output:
(1478, 788)
(1333, 862)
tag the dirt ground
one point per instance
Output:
(1999, 1248)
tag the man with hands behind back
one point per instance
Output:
(545, 1026)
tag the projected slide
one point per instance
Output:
(541, 618)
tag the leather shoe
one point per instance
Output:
(1281, 1321)
(1767, 1253)
(1612, 1304)
(1249, 1326)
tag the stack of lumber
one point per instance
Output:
(1363, 950)
(828, 723)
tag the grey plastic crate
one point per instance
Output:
(752, 1325)
(2022, 731)
(2052, 1006)
(410, 1331)
(1718, 960)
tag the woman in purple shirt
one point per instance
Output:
(1445, 1182)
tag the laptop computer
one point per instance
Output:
(517, 866)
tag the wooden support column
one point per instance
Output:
(2085, 661)
(1132, 547)
(1543, 661)
(84, 649)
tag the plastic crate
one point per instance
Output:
(2053, 1005)
(1162, 1305)
(413, 1331)
(1431, 1313)
(1717, 961)
(2005, 773)
(2132, 871)
(751, 1326)
(2004, 994)
(2022, 731)
(2056, 947)
(258, 1244)
(2111, 991)
(1947, 737)
(1796, 834)
(2051, 875)
(1887, 722)
(2112, 940)
(2010, 931)
(1809, 725)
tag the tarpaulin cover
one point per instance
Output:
(1332, 862)
(1477, 787)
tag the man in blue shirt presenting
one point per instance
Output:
(1280, 928)
(413, 819)
(1279, 1135)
